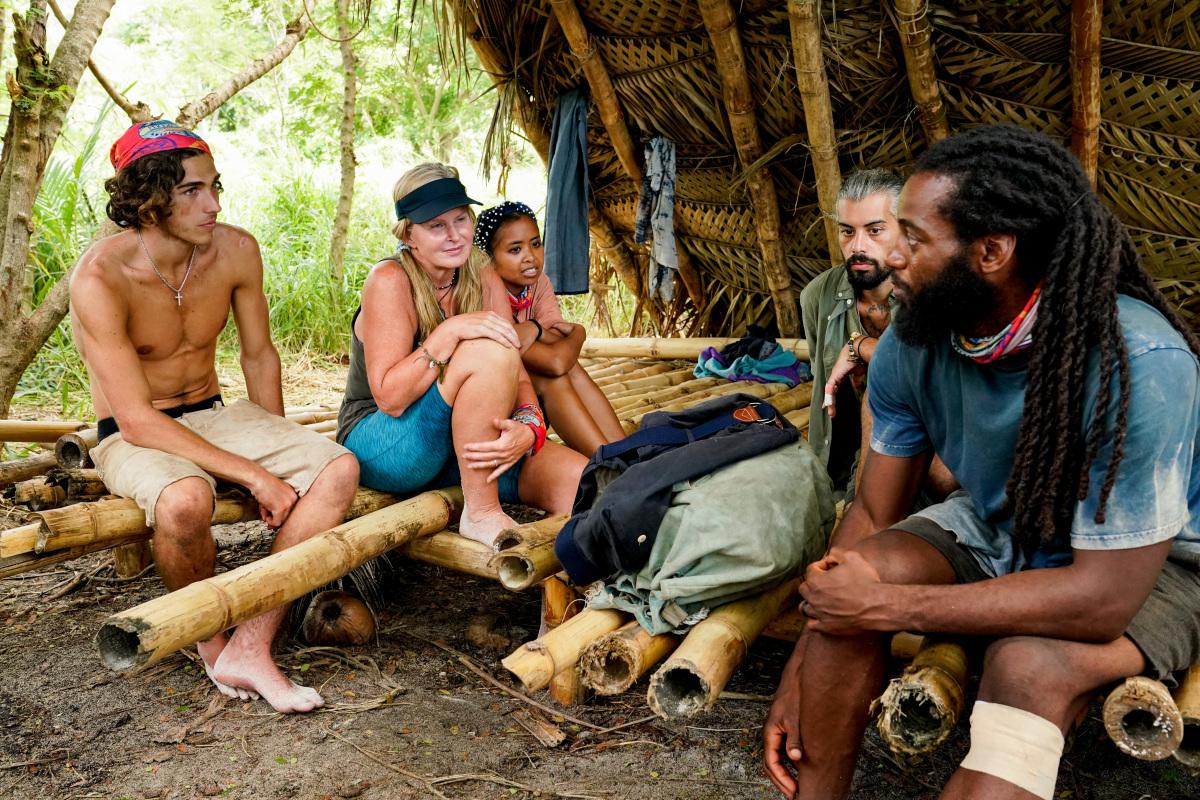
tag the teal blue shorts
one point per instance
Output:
(414, 451)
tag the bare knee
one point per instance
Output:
(185, 507)
(1035, 674)
(475, 354)
(339, 479)
(900, 557)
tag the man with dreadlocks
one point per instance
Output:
(1034, 355)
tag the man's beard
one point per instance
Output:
(864, 281)
(956, 301)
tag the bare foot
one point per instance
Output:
(486, 526)
(210, 651)
(258, 673)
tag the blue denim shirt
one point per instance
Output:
(969, 414)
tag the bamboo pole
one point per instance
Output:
(604, 367)
(22, 469)
(36, 493)
(198, 611)
(1086, 20)
(787, 625)
(449, 550)
(615, 661)
(132, 558)
(1187, 699)
(691, 389)
(688, 348)
(917, 44)
(55, 488)
(721, 21)
(532, 533)
(500, 71)
(684, 398)
(1142, 719)
(691, 680)
(119, 519)
(72, 450)
(799, 418)
(919, 709)
(613, 117)
(536, 663)
(761, 391)
(110, 520)
(905, 646)
(28, 562)
(518, 568)
(559, 604)
(640, 372)
(663, 380)
(19, 430)
(818, 114)
(78, 484)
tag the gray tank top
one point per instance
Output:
(358, 401)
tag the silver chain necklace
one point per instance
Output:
(186, 273)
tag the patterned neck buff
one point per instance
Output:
(520, 302)
(1015, 337)
(156, 136)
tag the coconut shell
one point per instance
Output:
(336, 617)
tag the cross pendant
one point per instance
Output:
(179, 298)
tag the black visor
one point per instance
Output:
(436, 197)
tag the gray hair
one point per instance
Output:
(862, 183)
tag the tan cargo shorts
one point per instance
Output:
(288, 451)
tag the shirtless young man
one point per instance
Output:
(147, 305)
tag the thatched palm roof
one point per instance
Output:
(675, 70)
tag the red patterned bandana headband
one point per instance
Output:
(156, 136)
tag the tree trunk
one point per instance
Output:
(41, 92)
(341, 218)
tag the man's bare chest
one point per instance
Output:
(165, 321)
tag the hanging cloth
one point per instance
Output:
(566, 231)
(656, 216)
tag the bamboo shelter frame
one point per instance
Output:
(721, 22)
(605, 96)
(769, 105)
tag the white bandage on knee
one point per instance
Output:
(1016, 746)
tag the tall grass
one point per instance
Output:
(310, 309)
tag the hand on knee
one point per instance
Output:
(485, 354)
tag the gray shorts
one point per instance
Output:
(1166, 628)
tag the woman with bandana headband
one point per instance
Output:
(575, 406)
(436, 394)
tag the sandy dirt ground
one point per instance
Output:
(405, 717)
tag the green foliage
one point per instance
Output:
(310, 310)
(65, 217)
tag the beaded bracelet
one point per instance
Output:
(433, 362)
(529, 414)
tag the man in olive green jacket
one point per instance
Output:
(845, 310)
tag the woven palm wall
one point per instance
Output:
(994, 62)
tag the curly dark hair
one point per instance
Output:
(1008, 179)
(140, 194)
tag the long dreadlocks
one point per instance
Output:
(1011, 180)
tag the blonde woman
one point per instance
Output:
(436, 394)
